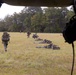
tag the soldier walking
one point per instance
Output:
(5, 40)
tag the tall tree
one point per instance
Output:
(31, 13)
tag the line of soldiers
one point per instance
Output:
(6, 39)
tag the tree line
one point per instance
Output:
(37, 19)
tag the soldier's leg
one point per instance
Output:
(5, 46)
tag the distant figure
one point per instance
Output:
(20, 31)
(28, 34)
(35, 35)
(5, 40)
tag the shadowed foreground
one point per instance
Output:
(23, 58)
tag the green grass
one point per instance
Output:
(23, 58)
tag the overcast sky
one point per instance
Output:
(9, 10)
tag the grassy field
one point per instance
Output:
(23, 58)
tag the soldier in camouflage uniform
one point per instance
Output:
(5, 40)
